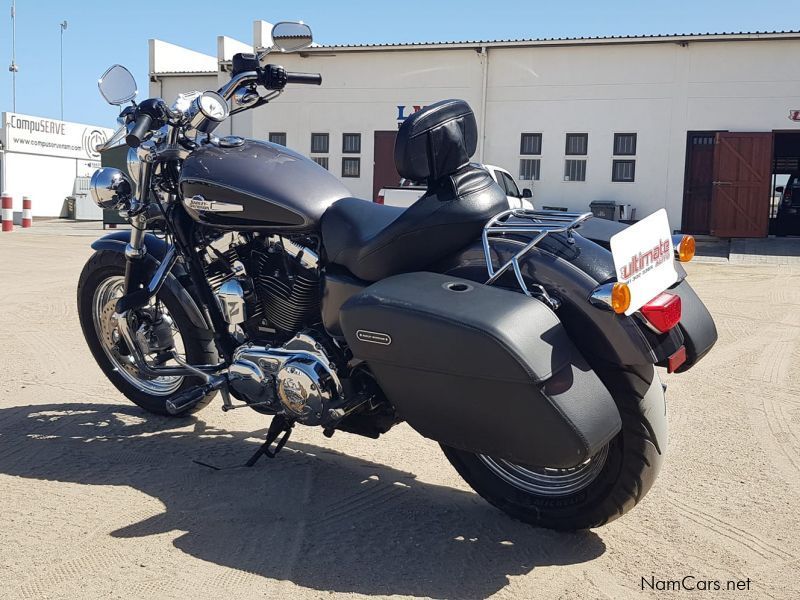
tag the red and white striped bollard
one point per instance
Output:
(27, 212)
(7, 213)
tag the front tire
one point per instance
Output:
(602, 489)
(99, 285)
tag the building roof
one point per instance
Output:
(568, 41)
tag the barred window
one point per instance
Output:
(319, 143)
(322, 161)
(529, 169)
(577, 144)
(530, 143)
(575, 170)
(625, 144)
(277, 137)
(351, 143)
(351, 167)
(623, 170)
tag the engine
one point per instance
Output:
(297, 379)
(266, 284)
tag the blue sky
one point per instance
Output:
(103, 32)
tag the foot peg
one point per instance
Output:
(278, 426)
(194, 396)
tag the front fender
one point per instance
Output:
(156, 249)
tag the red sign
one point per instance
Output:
(794, 115)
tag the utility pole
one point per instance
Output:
(13, 68)
(63, 29)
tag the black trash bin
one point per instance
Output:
(605, 209)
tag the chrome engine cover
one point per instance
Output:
(297, 379)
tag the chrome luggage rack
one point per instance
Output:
(521, 220)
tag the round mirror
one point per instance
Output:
(117, 85)
(288, 36)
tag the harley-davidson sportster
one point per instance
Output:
(508, 336)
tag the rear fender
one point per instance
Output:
(156, 250)
(571, 270)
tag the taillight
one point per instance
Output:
(663, 312)
(379, 199)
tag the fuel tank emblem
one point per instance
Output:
(200, 203)
(373, 337)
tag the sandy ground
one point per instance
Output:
(100, 500)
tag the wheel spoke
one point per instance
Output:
(103, 309)
(548, 481)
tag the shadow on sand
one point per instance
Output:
(323, 520)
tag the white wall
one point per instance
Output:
(657, 90)
(360, 94)
(48, 180)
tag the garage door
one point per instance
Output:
(741, 185)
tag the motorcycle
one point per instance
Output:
(517, 339)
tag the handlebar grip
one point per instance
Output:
(307, 78)
(140, 129)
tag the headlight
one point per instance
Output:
(133, 166)
(110, 187)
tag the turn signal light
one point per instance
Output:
(684, 247)
(663, 312)
(620, 297)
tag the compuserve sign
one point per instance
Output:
(37, 135)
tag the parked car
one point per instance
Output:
(409, 192)
(788, 217)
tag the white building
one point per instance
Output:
(47, 160)
(636, 120)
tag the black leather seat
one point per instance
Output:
(434, 145)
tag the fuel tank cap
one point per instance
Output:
(231, 141)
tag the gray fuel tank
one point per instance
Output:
(257, 185)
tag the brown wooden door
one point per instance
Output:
(384, 172)
(741, 185)
(697, 186)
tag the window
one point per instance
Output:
(623, 170)
(624, 144)
(277, 137)
(351, 143)
(575, 170)
(577, 144)
(530, 143)
(529, 169)
(322, 161)
(319, 143)
(508, 184)
(351, 166)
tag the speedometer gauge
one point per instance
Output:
(213, 106)
(208, 110)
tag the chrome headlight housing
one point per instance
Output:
(110, 187)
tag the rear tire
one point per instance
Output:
(198, 344)
(630, 464)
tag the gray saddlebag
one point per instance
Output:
(481, 369)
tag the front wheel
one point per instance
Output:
(601, 489)
(164, 322)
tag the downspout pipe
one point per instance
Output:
(484, 54)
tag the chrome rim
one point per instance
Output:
(546, 481)
(103, 308)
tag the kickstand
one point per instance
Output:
(278, 426)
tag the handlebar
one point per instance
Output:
(306, 78)
(141, 128)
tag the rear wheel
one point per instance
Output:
(601, 489)
(101, 285)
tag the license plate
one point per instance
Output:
(644, 258)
